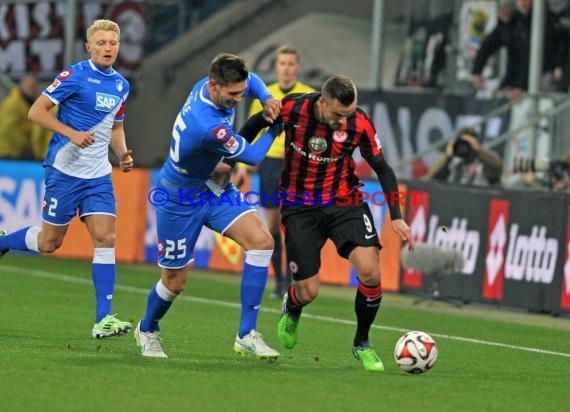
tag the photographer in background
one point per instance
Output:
(540, 175)
(467, 162)
(559, 176)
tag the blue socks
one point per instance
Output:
(253, 283)
(159, 301)
(252, 289)
(23, 240)
(104, 274)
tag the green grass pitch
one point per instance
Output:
(490, 360)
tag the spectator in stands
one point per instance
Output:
(20, 138)
(467, 162)
(555, 77)
(528, 174)
(559, 175)
(514, 34)
(506, 10)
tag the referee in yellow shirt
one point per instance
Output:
(287, 67)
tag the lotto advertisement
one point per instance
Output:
(515, 244)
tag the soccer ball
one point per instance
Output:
(415, 352)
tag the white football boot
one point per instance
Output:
(253, 344)
(150, 343)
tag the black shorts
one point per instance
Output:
(269, 175)
(307, 228)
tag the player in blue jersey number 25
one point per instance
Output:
(199, 193)
(91, 97)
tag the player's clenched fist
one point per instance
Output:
(82, 139)
(127, 162)
(271, 109)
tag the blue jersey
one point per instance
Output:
(202, 136)
(89, 98)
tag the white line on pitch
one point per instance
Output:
(70, 279)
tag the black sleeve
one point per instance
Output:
(491, 43)
(389, 183)
(253, 126)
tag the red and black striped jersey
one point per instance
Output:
(318, 160)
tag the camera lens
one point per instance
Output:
(558, 169)
(462, 149)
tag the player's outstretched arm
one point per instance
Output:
(389, 184)
(119, 146)
(253, 154)
(40, 114)
(253, 126)
(258, 89)
(249, 131)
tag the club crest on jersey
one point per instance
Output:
(53, 86)
(221, 134)
(293, 266)
(119, 84)
(160, 248)
(317, 144)
(232, 145)
(65, 74)
(340, 136)
(106, 102)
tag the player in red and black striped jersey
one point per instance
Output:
(320, 168)
(319, 192)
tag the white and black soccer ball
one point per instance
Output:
(416, 352)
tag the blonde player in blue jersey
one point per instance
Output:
(91, 98)
(201, 137)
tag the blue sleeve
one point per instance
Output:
(64, 86)
(221, 138)
(224, 141)
(254, 153)
(120, 116)
(126, 91)
(256, 88)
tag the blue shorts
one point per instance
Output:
(179, 223)
(65, 195)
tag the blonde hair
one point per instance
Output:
(288, 49)
(106, 25)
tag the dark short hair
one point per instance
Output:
(228, 69)
(469, 131)
(341, 88)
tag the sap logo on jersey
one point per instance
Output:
(106, 102)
